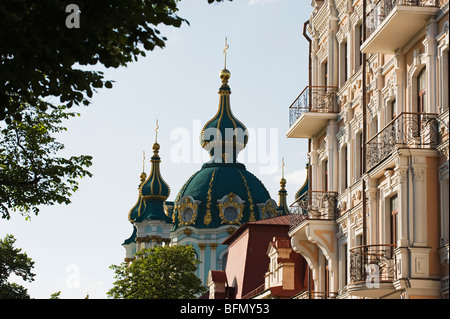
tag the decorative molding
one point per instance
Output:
(418, 174)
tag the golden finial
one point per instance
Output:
(282, 192)
(143, 174)
(282, 181)
(225, 52)
(156, 145)
(143, 161)
(225, 74)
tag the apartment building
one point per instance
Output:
(374, 222)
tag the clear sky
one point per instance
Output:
(74, 245)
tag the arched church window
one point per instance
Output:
(230, 213)
(187, 210)
(231, 207)
(187, 215)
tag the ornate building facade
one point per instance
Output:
(374, 222)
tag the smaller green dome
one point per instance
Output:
(154, 187)
(153, 192)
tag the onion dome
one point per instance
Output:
(224, 136)
(153, 191)
(155, 187)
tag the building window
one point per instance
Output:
(325, 175)
(422, 91)
(345, 166)
(394, 219)
(359, 155)
(374, 126)
(327, 276)
(343, 63)
(230, 213)
(345, 265)
(187, 215)
(392, 112)
(325, 73)
(358, 43)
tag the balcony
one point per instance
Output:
(316, 295)
(372, 270)
(392, 23)
(313, 205)
(407, 130)
(311, 111)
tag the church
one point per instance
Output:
(212, 203)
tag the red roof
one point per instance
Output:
(218, 276)
(279, 220)
(274, 221)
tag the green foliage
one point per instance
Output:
(30, 173)
(56, 295)
(40, 57)
(158, 273)
(13, 261)
(41, 61)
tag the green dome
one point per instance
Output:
(220, 194)
(155, 187)
(224, 133)
(153, 191)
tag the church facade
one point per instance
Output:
(211, 204)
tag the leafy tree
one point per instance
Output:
(40, 57)
(13, 261)
(158, 273)
(30, 173)
(41, 61)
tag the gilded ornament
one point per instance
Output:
(208, 218)
(250, 200)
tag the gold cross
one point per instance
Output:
(282, 167)
(143, 161)
(156, 130)
(225, 52)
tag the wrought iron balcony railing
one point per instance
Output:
(383, 8)
(314, 99)
(313, 205)
(407, 130)
(372, 264)
(316, 295)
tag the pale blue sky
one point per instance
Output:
(73, 246)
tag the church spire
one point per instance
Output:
(224, 136)
(282, 193)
